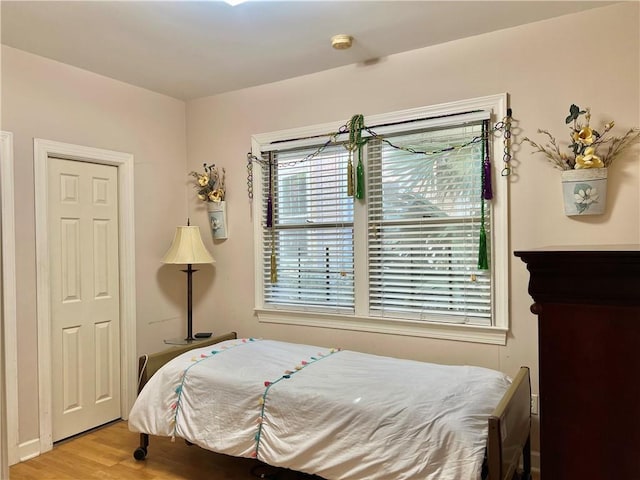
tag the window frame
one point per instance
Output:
(496, 106)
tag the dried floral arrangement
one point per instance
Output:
(210, 184)
(588, 148)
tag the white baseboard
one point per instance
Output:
(28, 450)
(535, 461)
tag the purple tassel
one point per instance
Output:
(270, 199)
(269, 212)
(487, 191)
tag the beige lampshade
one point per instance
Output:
(187, 247)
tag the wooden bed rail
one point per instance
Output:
(509, 431)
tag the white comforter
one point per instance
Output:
(338, 414)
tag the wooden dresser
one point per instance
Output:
(588, 304)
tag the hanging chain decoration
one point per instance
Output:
(250, 176)
(506, 157)
(502, 126)
(355, 127)
(478, 138)
(251, 158)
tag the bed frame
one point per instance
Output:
(509, 424)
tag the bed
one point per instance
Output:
(336, 413)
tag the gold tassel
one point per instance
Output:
(274, 271)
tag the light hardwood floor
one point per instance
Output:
(106, 454)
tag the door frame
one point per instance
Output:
(42, 151)
(8, 349)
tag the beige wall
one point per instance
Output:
(45, 99)
(591, 59)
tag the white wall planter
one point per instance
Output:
(217, 212)
(584, 191)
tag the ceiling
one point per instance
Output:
(194, 49)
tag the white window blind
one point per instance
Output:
(311, 237)
(423, 214)
(404, 259)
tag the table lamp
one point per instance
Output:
(187, 248)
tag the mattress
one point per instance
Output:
(335, 413)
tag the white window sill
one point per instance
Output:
(445, 331)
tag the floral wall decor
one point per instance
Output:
(584, 164)
(210, 184)
(210, 187)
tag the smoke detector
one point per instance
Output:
(341, 42)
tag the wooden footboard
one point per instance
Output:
(509, 431)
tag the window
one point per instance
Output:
(404, 259)
(310, 241)
(424, 216)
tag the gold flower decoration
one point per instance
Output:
(210, 185)
(203, 180)
(584, 142)
(589, 159)
(585, 136)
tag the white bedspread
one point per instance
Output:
(338, 414)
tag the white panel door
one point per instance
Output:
(85, 310)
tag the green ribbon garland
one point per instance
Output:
(356, 125)
(483, 256)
